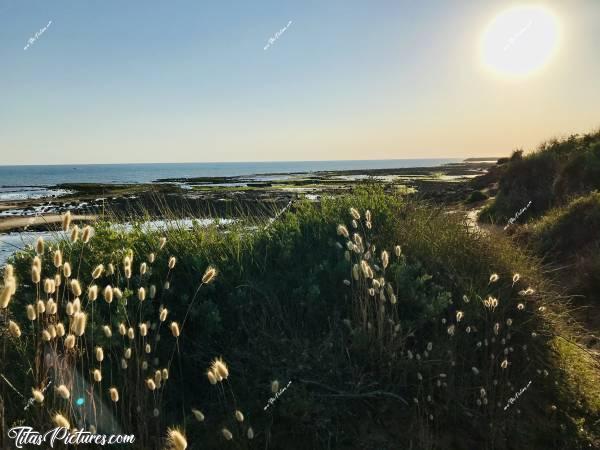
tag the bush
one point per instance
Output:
(548, 178)
(568, 230)
(476, 196)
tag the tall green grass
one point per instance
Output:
(279, 310)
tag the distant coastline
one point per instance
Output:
(51, 175)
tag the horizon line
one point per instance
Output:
(254, 162)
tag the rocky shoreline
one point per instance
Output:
(257, 195)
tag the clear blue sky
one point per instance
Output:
(170, 81)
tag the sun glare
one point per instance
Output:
(520, 41)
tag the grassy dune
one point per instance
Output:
(556, 173)
(402, 328)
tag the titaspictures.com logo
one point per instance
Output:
(28, 436)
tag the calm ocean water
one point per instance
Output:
(13, 176)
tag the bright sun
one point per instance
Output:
(520, 41)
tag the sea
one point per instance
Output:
(50, 175)
(33, 182)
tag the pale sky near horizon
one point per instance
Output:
(182, 81)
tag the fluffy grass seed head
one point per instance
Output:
(175, 329)
(39, 246)
(494, 277)
(98, 271)
(14, 329)
(172, 262)
(51, 307)
(526, 292)
(227, 434)
(343, 231)
(86, 234)
(161, 242)
(141, 294)
(38, 396)
(75, 287)
(61, 421)
(93, 293)
(211, 377)
(74, 234)
(5, 296)
(385, 259)
(354, 213)
(57, 260)
(67, 270)
(9, 272)
(209, 275)
(239, 416)
(219, 367)
(35, 275)
(114, 394)
(198, 415)
(79, 323)
(163, 314)
(150, 384)
(108, 294)
(176, 439)
(70, 341)
(99, 354)
(66, 221)
(63, 392)
(49, 286)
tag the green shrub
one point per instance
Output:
(476, 196)
(549, 177)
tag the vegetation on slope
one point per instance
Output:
(420, 347)
(557, 172)
(571, 235)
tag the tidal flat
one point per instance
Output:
(224, 197)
